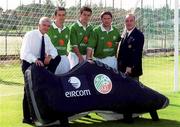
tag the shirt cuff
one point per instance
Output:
(34, 60)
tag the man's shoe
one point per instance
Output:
(64, 125)
(28, 121)
(128, 118)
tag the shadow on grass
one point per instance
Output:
(139, 122)
(9, 83)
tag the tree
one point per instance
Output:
(1, 10)
(61, 3)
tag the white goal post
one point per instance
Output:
(176, 40)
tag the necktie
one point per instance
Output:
(126, 35)
(42, 49)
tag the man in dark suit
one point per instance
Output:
(130, 49)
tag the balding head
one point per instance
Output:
(130, 15)
(130, 21)
(44, 19)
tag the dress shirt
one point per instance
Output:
(129, 31)
(31, 46)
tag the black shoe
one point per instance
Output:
(64, 124)
(128, 118)
(28, 121)
(129, 121)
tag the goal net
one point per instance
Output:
(154, 18)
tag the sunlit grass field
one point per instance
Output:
(158, 74)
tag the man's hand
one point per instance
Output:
(47, 59)
(128, 70)
(39, 63)
(90, 61)
(81, 59)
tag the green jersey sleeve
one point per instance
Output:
(73, 36)
(93, 39)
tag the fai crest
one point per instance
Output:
(103, 84)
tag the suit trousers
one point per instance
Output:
(51, 67)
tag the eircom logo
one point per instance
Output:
(75, 82)
(74, 88)
(102, 84)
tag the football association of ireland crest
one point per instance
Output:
(102, 83)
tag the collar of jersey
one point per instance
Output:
(79, 23)
(103, 29)
(55, 27)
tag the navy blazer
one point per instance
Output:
(130, 53)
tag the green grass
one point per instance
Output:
(10, 73)
(158, 74)
(11, 106)
(11, 46)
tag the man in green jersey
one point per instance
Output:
(103, 41)
(79, 36)
(59, 35)
(103, 44)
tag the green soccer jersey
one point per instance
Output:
(79, 37)
(104, 43)
(59, 38)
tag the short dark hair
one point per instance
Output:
(59, 9)
(106, 13)
(85, 8)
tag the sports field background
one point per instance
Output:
(11, 98)
(156, 22)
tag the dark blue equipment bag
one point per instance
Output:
(88, 86)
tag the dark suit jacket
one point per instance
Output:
(130, 53)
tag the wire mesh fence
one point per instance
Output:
(154, 18)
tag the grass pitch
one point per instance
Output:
(158, 74)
